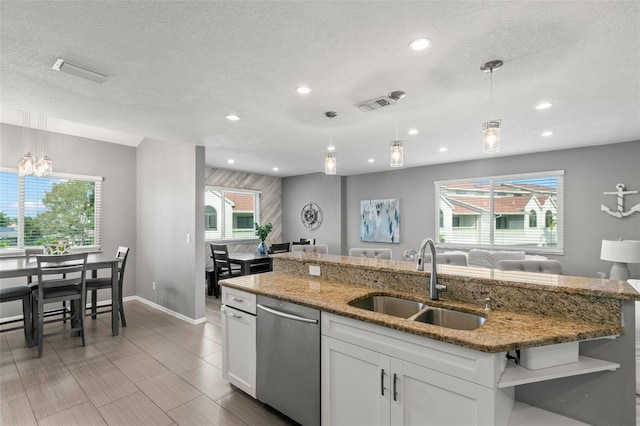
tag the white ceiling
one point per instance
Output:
(176, 68)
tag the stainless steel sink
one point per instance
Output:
(389, 305)
(451, 319)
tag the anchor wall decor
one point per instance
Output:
(620, 213)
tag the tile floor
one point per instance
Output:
(158, 371)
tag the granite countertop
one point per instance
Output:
(503, 330)
(568, 284)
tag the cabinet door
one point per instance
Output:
(420, 396)
(239, 349)
(355, 385)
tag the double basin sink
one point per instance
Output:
(420, 312)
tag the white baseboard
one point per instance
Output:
(139, 299)
(166, 310)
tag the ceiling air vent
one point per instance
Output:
(375, 103)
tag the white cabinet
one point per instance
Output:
(355, 384)
(376, 376)
(239, 340)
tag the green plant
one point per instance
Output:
(262, 231)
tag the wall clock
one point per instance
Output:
(310, 216)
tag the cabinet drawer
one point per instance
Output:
(239, 299)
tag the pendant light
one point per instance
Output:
(491, 129)
(396, 147)
(27, 162)
(330, 158)
(29, 165)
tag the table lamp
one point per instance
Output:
(620, 252)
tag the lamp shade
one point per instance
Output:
(622, 251)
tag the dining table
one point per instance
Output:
(11, 267)
(251, 263)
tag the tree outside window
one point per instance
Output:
(36, 211)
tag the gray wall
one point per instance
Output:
(116, 163)
(170, 182)
(588, 173)
(326, 191)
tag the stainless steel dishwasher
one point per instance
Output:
(288, 359)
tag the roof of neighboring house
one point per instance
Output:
(241, 202)
(462, 204)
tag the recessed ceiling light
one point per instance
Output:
(275, 169)
(371, 160)
(231, 161)
(544, 105)
(232, 117)
(303, 90)
(413, 131)
(420, 43)
(547, 133)
(443, 149)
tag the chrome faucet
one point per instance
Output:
(434, 287)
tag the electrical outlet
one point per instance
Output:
(154, 285)
(314, 270)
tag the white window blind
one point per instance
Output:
(35, 211)
(522, 212)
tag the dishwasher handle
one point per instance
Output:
(286, 315)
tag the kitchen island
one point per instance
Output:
(529, 310)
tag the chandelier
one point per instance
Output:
(29, 164)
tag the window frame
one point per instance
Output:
(97, 224)
(223, 219)
(559, 216)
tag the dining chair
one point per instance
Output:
(94, 284)
(304, 241)
(60, 277)
(32, 253)
(308, 248)
(279, 248)
(222, 268)
(380, 253)
(23, 293)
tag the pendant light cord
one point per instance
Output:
(397, 119)
(491, 94)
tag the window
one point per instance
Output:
(548, 219)
(492, 212)
(210, 218)
(36, 211)
(230, 213)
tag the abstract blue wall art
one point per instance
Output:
(380, 221)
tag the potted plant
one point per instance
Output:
(262, 232)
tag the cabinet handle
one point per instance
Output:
(382, 382)
(232, 315)
(237, 299)
(395, 392)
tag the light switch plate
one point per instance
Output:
(314, 270)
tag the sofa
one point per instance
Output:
(491, 258)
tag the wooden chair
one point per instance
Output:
(23, 293)
(221, 268)
(279, 248)
(60, 277)
(94, 284)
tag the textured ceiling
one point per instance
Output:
(176, 68)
